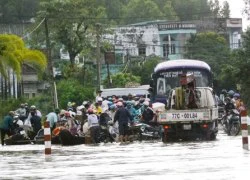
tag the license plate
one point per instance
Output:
(187, 126)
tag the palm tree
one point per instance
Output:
(13, 53)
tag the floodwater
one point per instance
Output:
(222, 159)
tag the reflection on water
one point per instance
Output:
(220, 159)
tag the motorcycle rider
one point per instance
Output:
(229, 104)
(239, 103)
(131, 110)
(7, 126)
(93, 125)
(21, 111)
(148, 114)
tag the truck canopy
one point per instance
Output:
(137, 91)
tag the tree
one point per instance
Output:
(240, 64)
(72, 22)
(247, 8)
(137, 11)
(225, 10)
(72, 91)
(13, 54)
(121, 79)
(145, 69)
(191, 9)
(17, 11)
(211, 48)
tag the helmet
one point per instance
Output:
(62, 112)
(112, 107)
(66, 114)
(129, 103)
(90, 111)
(146, 103)
(22, 105)
(119, 104)
(236, 95)
(99, 99)
(110, 104)
(231, 93)
(120, 99)
(84, 103)
(33, 107)
(224, 91)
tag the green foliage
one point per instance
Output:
(17, 11)
(43, 102)
(191, 9)
(211, 48)
(240, 67)
(72, 91)
(121, 79)
(13, 53)
(138, 11)
(145, 69)
(9, 105)
(85, 74)
(72, 22)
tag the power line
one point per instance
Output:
(29, 33)
(157, 45)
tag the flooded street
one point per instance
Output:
(220, 159)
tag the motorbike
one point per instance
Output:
(231, 122)
(19, 137)
(107, 132)
(141, 131)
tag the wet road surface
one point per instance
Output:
(222, 159)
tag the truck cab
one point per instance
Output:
(187, 119)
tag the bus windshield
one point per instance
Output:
(167, 75)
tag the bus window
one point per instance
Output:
(161, 86)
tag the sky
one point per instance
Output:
(236, 9)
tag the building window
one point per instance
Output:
(165, 50)
(168, 49)
(142, 50)
(33, 94)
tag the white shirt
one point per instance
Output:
(92, 120)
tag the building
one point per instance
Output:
(167, 39)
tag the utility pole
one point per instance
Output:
(108, 71)
(98, 55)
(50, 66)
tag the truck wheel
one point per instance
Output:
(164, 138)
(211, 136)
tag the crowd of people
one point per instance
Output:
(231, 100)
(82, 119)
(87, 117)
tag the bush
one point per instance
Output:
(72, 91)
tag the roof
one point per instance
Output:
(181, 64)
(141, 90)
